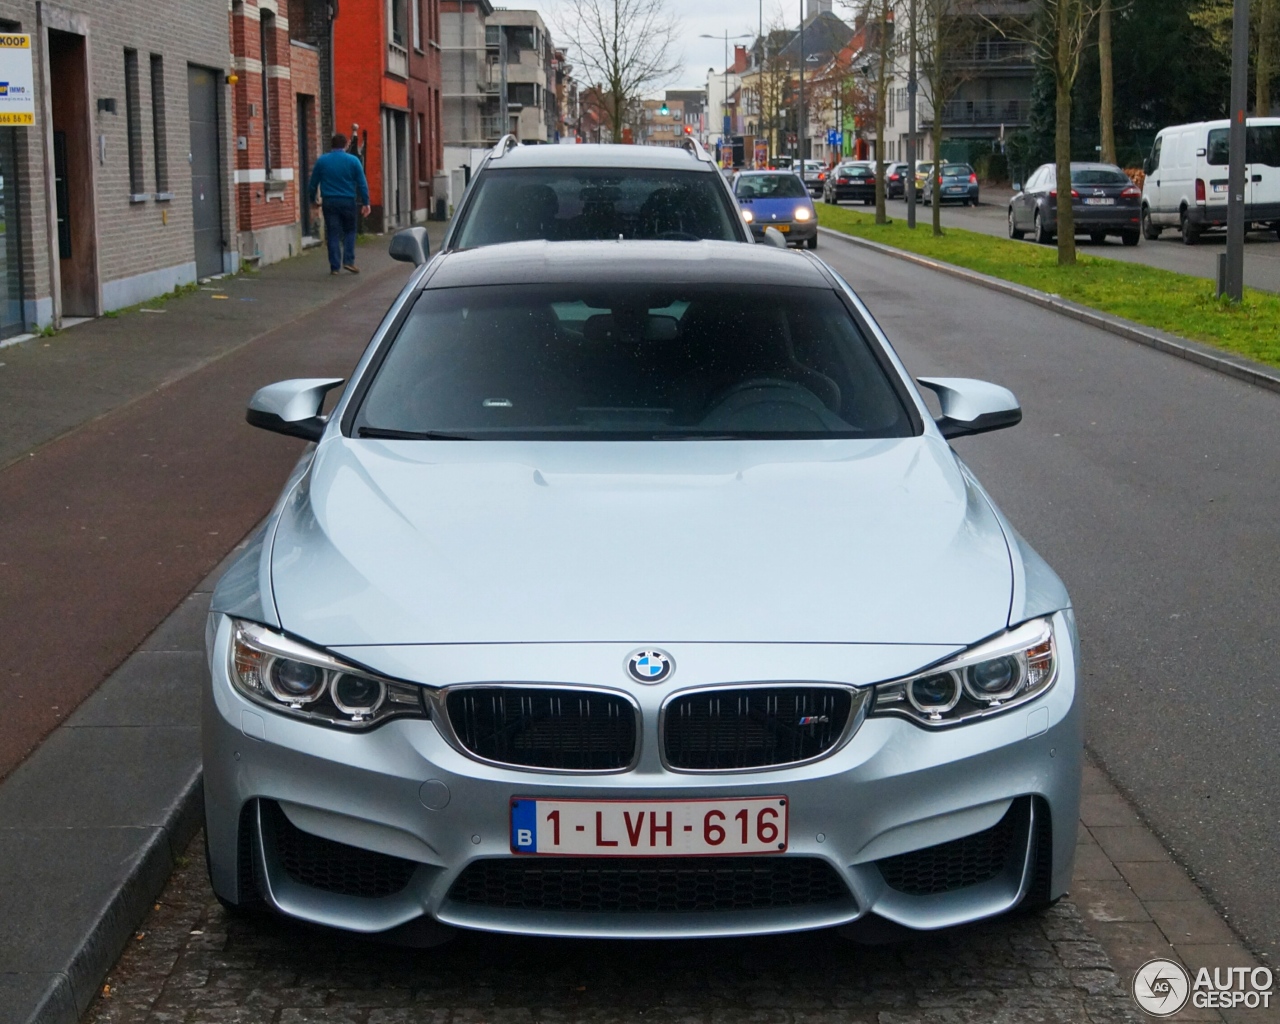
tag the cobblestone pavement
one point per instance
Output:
(191, 964)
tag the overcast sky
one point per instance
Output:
(696, 17)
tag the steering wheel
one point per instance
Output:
(676, 236)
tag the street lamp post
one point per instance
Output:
(911, 121)
(800, 128)
(724, 117)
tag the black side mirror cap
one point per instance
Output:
(1146, 166)
(292, 407)
(410, 245)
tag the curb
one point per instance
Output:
(1171, 344)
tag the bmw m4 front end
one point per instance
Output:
(632, 590)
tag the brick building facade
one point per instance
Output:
(121, 189)
(276, 119)
(386, 75)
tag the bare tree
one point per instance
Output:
(880, 15)
(771, 83)
(1106, 112)
(946, 33)
(627, 46)
(1058, 34)
(1214, 16)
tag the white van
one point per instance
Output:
(1186, 178)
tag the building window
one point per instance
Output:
(424, 168)
(267, 49)
(159, 134)
(133, 123)
(396, 18)
(417, 24)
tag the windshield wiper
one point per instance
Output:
(410, 435)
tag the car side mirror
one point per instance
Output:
(1146, 165)
(292, 406)
(775, 237)
(410, 245)
(972, 406)
(1017, 186)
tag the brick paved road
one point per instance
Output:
(190, 964)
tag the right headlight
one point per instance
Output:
(296, 679)
(992, 677)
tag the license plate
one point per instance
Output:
(649, 828)
(955, 188)
(1221, 188)
(784, 228)
(1099, 202)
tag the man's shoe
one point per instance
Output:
(351, 267)
(334, 273)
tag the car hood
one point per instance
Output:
(406, 542)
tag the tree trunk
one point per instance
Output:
(1266, 16)
(1062, 77)
(883, 46)
(935, 203)
(1106, 115)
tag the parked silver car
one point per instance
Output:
(630, 589)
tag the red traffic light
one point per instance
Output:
(688, 129)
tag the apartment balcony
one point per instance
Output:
(981, 114)
(997, 53)
(397, 60)
(491, 127)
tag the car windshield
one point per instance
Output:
(771, 186)
(956, 170)
(1099, 176)
(634, 362)
(561, 204)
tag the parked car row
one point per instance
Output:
(855, 181)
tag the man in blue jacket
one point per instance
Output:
(340, 178)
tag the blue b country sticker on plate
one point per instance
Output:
(524, 826)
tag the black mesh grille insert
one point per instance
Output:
(572, 730)
(334, 867)
(754, 727)
(961, 862)
(638, 885)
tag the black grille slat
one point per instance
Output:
(753, 727)
(641, 885)
(962, 862)
(335, 867)
(566, 730)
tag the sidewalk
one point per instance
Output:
(128, 470)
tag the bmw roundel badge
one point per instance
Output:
(649, 666)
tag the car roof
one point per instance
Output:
(763, 170)
(626, 262)
(600, 155)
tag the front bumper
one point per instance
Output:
(404, 792)
(861, 193)
(795, 231)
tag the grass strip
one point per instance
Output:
(1177, 303)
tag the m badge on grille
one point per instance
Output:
(649, 666)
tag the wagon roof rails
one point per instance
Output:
(505, 144)
(694, 147)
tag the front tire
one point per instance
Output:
(813, 242)
(1015, 232)
(1150, 230)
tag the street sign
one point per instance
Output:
(17, 83)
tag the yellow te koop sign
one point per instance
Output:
(17, 81)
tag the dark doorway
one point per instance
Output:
(306, 124)
(73, 160)
(206, 169)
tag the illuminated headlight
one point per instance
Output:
(290, 677)
(748, 216)
(994, 676)
(802, 213)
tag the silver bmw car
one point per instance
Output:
(631, 589)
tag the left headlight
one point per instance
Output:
(287, 676)
(992, 677)
(802, 213)
(748, 216)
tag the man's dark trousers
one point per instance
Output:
(340, 232)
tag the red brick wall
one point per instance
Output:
(260, 204)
